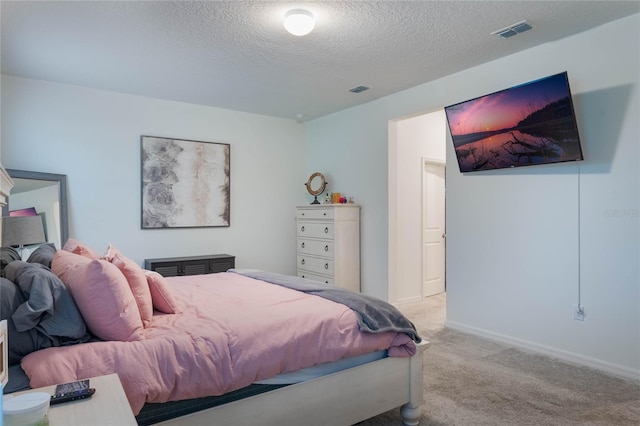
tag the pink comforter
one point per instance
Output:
(233, 331)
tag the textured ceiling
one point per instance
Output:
(236, 54)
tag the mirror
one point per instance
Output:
(47, 192)
(316, 186)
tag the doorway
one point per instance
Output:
(412, 140)
(433, 227)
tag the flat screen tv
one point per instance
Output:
(529, 124)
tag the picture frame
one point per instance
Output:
(185, 183)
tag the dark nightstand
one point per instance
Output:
(190, 265)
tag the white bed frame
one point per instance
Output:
(343, 398)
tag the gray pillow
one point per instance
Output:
(43, 254)
(48, 308)
(21, 344)
(7, 255)
(10, 298)
(18, 380)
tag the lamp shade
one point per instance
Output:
(22, 231)
(299, 22)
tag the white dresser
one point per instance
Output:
(328, 238)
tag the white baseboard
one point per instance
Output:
(604, 366)
(407, 300)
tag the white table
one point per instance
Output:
(107, 407)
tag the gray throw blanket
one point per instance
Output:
(48, 307)
(374, 315)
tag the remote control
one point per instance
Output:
(72, 386)
(72, 396)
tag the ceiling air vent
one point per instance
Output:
(514, 29)
(359, 89)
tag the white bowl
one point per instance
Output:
(29, 409)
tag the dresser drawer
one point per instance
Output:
(315, 264)
(328, 244)
(315, 229)
(315, 247)
(314, 277)
(314, 214)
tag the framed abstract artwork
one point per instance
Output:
(185, 183)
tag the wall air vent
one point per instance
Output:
(359, 89)
(511, 30)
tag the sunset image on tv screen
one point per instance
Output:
(529, 124)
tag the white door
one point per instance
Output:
(433, 228)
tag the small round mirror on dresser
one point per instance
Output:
(316, 186)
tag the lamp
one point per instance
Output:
(22, 231)
(299, 22)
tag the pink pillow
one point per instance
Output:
(75, 246)
(161, 295)
(102, 295)
(137, 282)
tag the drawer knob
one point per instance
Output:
(324, 214)
(302, 261)
(326, 248)
(302, 245)
(302, 228)
(326, 229)
(326, 266)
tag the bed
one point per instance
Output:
(208, 336)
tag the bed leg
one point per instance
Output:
(412, 411)
(411, 414)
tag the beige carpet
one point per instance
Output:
(472, 381)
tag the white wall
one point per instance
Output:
(410, 141)
(350, 148)
(93, 137)
(514, 258)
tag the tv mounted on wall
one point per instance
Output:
(529, 124)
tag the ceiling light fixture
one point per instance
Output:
(299, 22)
